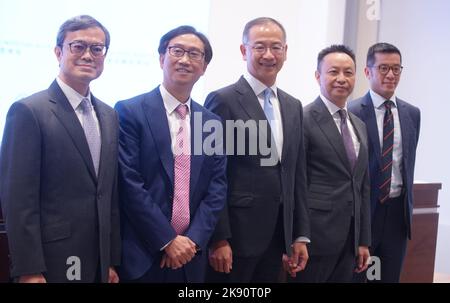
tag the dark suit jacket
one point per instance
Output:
(255, 192)
(410, 126)
(146, 186)
(335, 192)
(55, 206)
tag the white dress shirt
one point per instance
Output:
(75, 101)
(334, 111)
(170, 104)
(397, 153)
(258, 88)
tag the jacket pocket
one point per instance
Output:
(55, 232)
(240, 200)
(320, 205)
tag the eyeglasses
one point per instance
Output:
(179, 52)
(384, 69)
(276, 49)
(79, 48)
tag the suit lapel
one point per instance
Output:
(368, 116)
(362, 137)
(66, 115)
(107, 130)
(286, 116)
(155, 113)
(406, 125)
(196, 160)
(330, 131)
(250, 104)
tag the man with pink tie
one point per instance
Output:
(171, 191)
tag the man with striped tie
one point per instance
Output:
(393, 128)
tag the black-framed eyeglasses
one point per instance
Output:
(179, 52)
(384, 69)
(260, 48)
(79, 48)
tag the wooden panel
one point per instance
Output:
(426, 194)
(421, 251)
(420, 255)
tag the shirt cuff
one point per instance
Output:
(303, 239)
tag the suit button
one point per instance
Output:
(99, 197)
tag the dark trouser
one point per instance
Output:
(330, 268)
(389, 240)
(262, 269)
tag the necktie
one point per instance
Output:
(91, 132)
(268, 110)
(386, 152)
(180, 207)
(347, 138)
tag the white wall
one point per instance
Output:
(421, 29)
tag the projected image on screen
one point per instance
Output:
(28, 31)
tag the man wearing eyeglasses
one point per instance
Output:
(266, 214)
(171, 190)
(393, 127)
(59, 167)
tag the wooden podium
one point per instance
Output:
(421, 251)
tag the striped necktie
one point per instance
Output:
(386, 152)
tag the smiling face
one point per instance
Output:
(336, 77)
(78, 71)
(181, 73)
(384, 85)
(265, 65)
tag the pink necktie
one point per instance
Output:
(180, 208)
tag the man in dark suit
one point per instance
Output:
(172, 190)
(391, 163)
(58, 169)
(266, 212)
(337, 174)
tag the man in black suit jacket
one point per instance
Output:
(58, 170)
(391, 212)
(266, 213)
(337, 174)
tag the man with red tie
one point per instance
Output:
(171, 191)
(393, 129)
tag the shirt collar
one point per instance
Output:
(72, 95)
(170, 102)
(257, 86)
(332, 108)
(378, 100)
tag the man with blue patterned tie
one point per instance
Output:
(266, 214)
(58, 169)
(393, 127)
(337, 174)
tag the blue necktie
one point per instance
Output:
(268, 110)
(91, 132)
